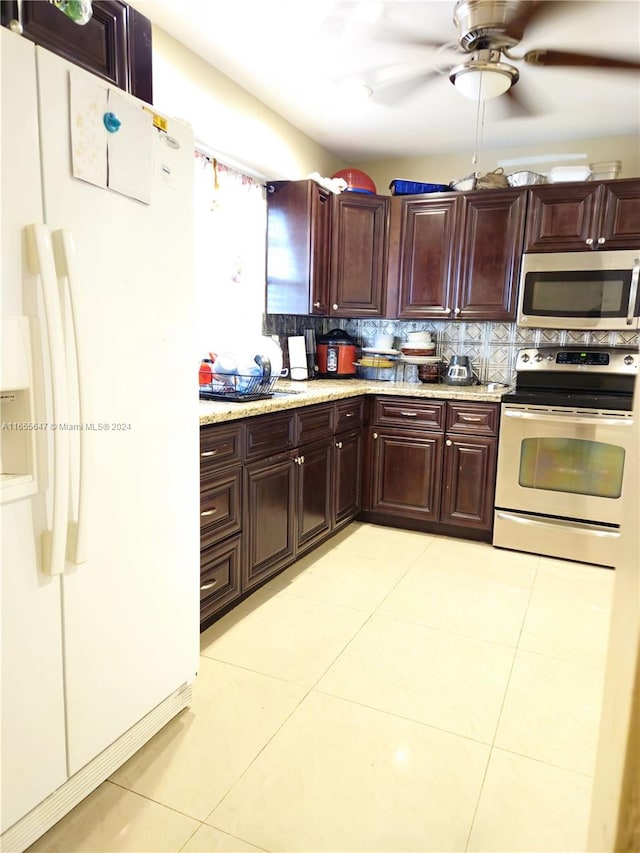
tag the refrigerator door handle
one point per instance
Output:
(41, 262)
(65, 259)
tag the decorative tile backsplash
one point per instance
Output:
(492, 347)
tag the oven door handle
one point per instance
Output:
(591, 420)
(633, 291)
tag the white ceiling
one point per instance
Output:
(292, 54)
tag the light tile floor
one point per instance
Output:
(392, 691)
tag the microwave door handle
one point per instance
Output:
(633, 291)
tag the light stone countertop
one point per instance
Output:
(323, 390)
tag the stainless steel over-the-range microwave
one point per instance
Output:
(580, 290)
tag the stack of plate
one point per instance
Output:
(372, 357)
(418, 353)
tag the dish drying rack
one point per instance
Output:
(237, 388)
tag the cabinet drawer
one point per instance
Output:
(348, 414)
(473, 418)
(268, 435)
(313, 423)
(220, 507)
(220, 446)
(219, 576)
(410, 412)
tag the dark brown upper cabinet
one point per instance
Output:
(583, 217)
(298, 247)
(115, 44)
(326, 253)
(358, 254)
(456, 256)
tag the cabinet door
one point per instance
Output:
(427, 255)
(298, 233)
(347, 467)
(620, 218)
(407, 469)
(358, 255)
(115, 43)
(491, 241)
(268, 519)
(561, 218)
(469, 481)
(313, 494)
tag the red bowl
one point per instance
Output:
(357, 181)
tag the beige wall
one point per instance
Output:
(230, 120)
(443, 168)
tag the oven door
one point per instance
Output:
(565, 463)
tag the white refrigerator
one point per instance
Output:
(100, 494)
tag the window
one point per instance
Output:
(230, 234)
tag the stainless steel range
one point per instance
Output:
(565, 432)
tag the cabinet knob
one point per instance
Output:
(301, 460)
(601, 240)
(589, 241)
(335, 306)
(316, 304)
(375, 435)
(339, 445)
(456, 310)
(448, 442)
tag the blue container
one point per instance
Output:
(398, 187)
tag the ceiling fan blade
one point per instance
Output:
(516, 103)
(565, 58)
(394, 92)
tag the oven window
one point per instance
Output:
(572, 465)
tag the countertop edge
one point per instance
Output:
(322, 390)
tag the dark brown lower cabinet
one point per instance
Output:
(347, 470)
(433, 465)
(219, 577)
(274, 487)
(407, 468)
(269, 535)
(469, 481)
(312, 494)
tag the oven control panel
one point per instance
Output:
(612, 360)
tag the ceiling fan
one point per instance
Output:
(487, 33)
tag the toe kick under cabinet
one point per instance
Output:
(273, 487)
(432, 464)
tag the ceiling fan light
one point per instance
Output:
(483, 81)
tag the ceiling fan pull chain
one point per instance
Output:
(479, 133)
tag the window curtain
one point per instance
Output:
(230, 232)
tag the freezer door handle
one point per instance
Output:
(65, 259)
(41, 263)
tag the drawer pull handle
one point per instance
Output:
(208, 585)
(209, 512)
(208, 453)
(409, 414)
(470, 418)
(349, 414)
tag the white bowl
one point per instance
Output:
(419, 337)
